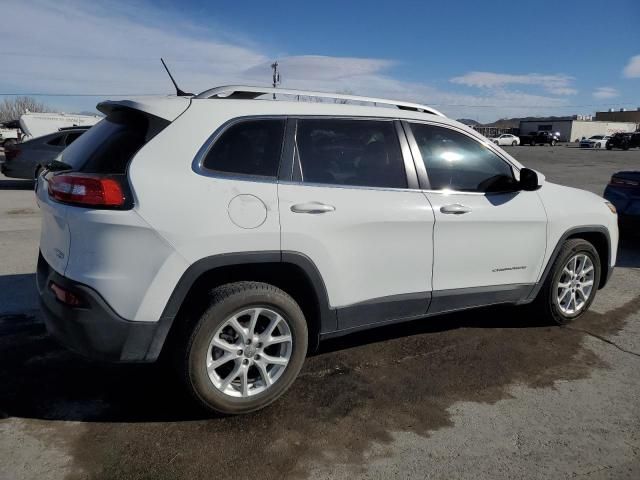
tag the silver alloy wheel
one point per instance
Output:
(575, 284)
(249, 352)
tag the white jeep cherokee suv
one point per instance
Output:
(236, 232)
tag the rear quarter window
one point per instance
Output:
(249, 147)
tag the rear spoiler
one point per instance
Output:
(168, 108)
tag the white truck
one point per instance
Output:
(38, 124)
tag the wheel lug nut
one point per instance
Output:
(239, 352)
(246, 361)
(259, 345)
(257, 357)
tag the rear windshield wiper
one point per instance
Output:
(57, 166)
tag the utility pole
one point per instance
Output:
(276, 76)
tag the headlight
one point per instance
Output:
(611, 207)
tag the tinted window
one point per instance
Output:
(71, 137)
(108, 146)
(56, 140)
(350, 152)
(251, 147)
(456, 161)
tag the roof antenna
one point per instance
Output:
(179, 92)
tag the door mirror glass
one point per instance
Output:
(528, 180)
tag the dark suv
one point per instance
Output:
(539, 138)
(625, 141)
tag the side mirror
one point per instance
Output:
(529, 180)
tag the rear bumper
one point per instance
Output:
(93, 330)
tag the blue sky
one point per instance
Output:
(481, 60)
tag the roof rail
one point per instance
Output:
(248, 92)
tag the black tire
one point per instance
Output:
(514, 143)
(225, 301)
(546, 302)
(609, 146)
(37, 174)
(552, 143)
(9, 142)
(497, 142)
(533, 143)
(625, 146)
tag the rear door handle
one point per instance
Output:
(455, 209)
(312, 207)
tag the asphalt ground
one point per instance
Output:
(491, 393)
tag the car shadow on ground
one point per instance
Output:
(18, 294)
(41, 380)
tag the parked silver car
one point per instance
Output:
(25, 160)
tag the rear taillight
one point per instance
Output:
(87, 190)
(623, 182)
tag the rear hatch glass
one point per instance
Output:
(109, 145)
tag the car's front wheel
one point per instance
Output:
(514, 143)
(572, 282)
(246, 349)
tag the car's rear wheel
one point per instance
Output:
(514, 143)
(572, 282)
(496, 142)
(553, 143)
(246, 349)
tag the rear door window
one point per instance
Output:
(108, 146)
(56, 140)
(350, 152)
(71, 137)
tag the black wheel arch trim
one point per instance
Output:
(567, 234)
(328, 317)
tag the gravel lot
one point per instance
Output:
(485, 394)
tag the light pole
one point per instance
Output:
(276, 76)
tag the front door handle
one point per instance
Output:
(455, 209)
(312, 207)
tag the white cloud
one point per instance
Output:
(605, 92)
(554, 84)
(81, 47)
(632, 70)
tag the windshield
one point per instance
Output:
(108, 146)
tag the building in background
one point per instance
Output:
(621, 115)
(572, 129)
